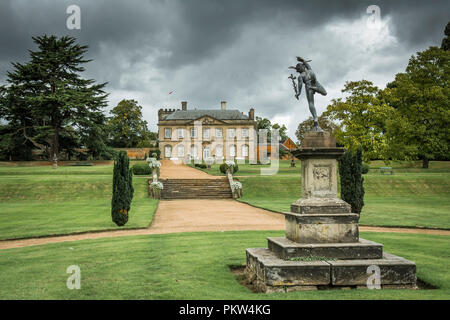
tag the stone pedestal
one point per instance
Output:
(322, 247)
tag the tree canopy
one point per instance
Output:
(48, 105)
(264, 123)
(324, 122)
(408, 120)
(361, 119)
(282, 131)
(127, 126)
(445, 45)
(419, 127)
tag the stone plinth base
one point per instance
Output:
(322, 248)
(286, 249)
(318, 139)
(322, 228)
(265, 270)
(394, 270)
(320, 206)
(268, 273)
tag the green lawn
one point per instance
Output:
(38, 201)
(404, 199)
(190, 266)
(247, 169)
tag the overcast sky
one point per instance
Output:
(237, 51)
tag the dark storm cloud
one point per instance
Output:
(418, 22)
(236, 51)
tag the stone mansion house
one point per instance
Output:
(207, 133)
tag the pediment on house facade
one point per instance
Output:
(207, 120)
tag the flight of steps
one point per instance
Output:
(196, 189)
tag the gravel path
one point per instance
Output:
(178, 170)
(200, 215)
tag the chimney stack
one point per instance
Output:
(223, 105)
(183, 105)
(251, 114)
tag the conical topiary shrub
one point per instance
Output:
(122, 189)
(350, 172)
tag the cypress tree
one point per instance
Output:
(122, 189)
(352, 188)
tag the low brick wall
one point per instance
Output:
(137, 153)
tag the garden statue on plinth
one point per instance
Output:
(322, 247)
(308, 77)
(154, 186)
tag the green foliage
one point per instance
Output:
(282, 153)
(200, 165)
(445, 45)
(127, 126)
(49, 105)
(352, 188)
(109, 154)
(365, 168)
(223, 168)
(362, 119)
(282, 131)
(13, 146)
(408, 120)
(419, 125)
(324, 122)
(264, 123)
(157, 152)
(122, 189)
(141, 169)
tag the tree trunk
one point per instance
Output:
(55, 146)
(425, 163)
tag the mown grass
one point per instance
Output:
(247, 169)
(284, 167)
(403, 199)
(39, 201)
(190, 266)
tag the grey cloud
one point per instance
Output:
(208, 51)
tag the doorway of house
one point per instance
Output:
(206, 152)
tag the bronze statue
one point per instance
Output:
(308, 77)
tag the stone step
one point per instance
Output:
(197, 183)
(395, 272)
(195, 180)
(269, 273)
(182, 194)
(188, 196)
(320, 206)
(196, 189)
(363, 249)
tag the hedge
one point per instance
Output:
(223, 168)
(142, 169)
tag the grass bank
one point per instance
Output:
(39, 201)
(404, 199)
(190, 266)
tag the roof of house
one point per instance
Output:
(288, 141)
(217, 114)
(282, 146)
